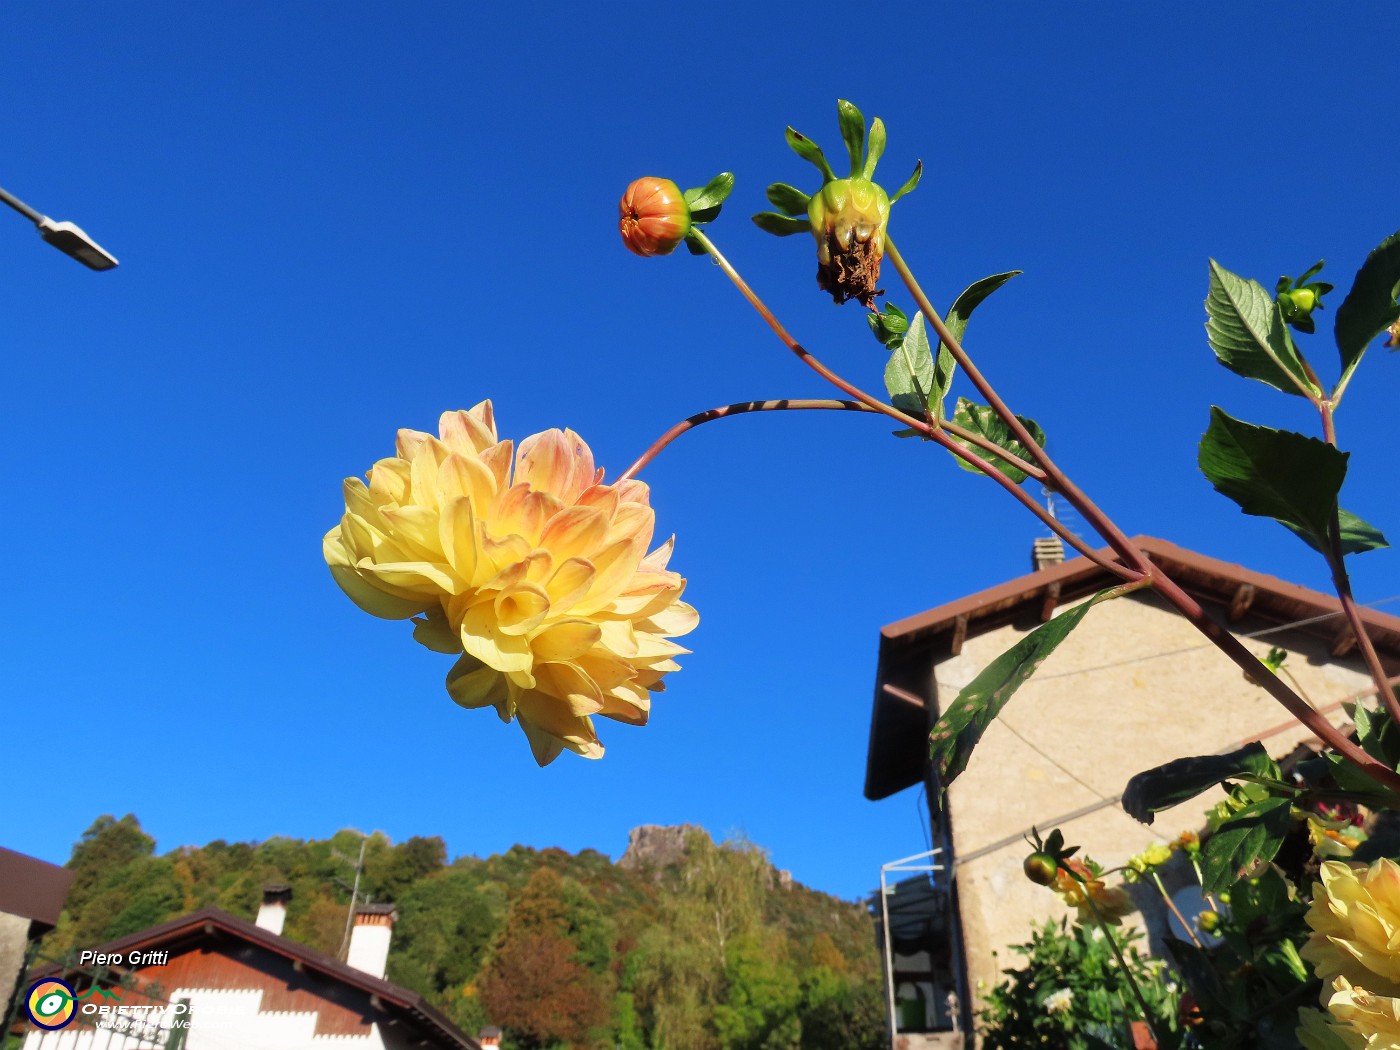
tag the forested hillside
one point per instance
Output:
(683, 945)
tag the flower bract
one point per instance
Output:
(524, 563)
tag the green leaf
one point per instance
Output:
(788, 199)
(1154, 790)
(875, 148)
(852, 131)
(1378, 736)
(972, 297)
(1277, 474)
(961, 726)
(712, 194)
(985, 421)
(1370, 307)
(1247, 333)
(1253, 834)
(911, 183)
(810, 152)
(781, 225)
(910, 376)
(1357, 536)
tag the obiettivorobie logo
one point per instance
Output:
(52, 1003)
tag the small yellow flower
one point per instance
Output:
(1153, 857)
(1373, 1020)
(1355, 918)
(1113, 901)
(539, 578)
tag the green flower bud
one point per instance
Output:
(1040, 868)
(1208, 921)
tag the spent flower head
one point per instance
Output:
(847, 216)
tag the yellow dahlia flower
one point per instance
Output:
(540, 578)
(1355, 918)
(1373, 1020)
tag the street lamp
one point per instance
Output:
(67, 237)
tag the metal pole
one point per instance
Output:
(889, 955)
(19, 206)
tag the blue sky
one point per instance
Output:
(335, 220)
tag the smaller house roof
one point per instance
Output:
(200, 928)
(31, 888)
(898, 754)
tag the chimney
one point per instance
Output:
(273, 913)
(489, 1038)
(1047, 551)
(369, 940)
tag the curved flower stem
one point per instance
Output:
(1341, 581)
(1054, 477)
(1123, 965)
(690, 422)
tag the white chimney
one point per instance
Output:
(1047, 551)
(369, 940)
(272, 916)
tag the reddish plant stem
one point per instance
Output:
(933, 433)
(1054, 476)
(1167, 587)
(831, 377)
(690, 422)
(1341, 581)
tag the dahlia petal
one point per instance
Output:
(375, 600)
(415, 530)
(603, 497)
(570, 687)
(545, 714)
(614, 566)
(482, 637)
(545, 462)
(469, 432)
(388, 481)
(521, 609)
(523, 511)
(415, 576)
(544, 746)
(606, 669)
(658, 559)
(501, 552)
(633, 521)
(408, 441)
(468, 477)
(565, 640)
(457, 535)
(634, 491)
(619, 637)
(575, 532)
(583, 468)
(435, 633)
(680, 618)
(423, 476)
(570, 582)
(633, 708)
(472, 684)
(497, 459)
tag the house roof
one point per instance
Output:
(200, 928)
(31, 888)
(898, 755)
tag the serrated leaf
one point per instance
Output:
(1357, 536)
(1154, 790)
(1248, 334)
(810, 152)
(852, 131)
(788, 199)
(911, 377)
(874, 149)
(961, 726)
(985, 421)
(1277, 474)
(1369, 308)
(910, 183)
(1252, 835)
(712, 194)
(781, 225)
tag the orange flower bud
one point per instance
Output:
(655, 217)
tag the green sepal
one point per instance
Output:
(889, 325)
(711, 195)
(1173, 783)
(961, 726)
(1246, 329)
(1277, 474)
(693, 245)
(1251, 835)
(810, 152)
(781, 225)
(1369, 308)
(912, 181)
(852, 131)
(874, 148)
(985, 421)
(788, 199)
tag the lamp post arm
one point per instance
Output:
(19, 206)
